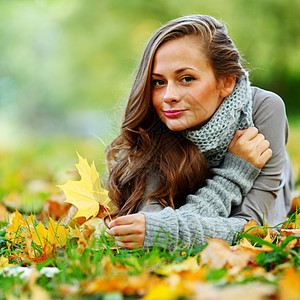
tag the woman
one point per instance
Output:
(190, 117)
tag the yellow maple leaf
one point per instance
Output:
(87, 194)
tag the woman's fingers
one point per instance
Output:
(251, 146)
(241, 137)
(236, 136)
(121, 230)
(264, 157)
(248, 134)
(129, 230)
(263, 146)
(123, 220)
(132, 238)
(129, 245)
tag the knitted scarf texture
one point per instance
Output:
(234, 113)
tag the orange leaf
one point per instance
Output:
(289, 285)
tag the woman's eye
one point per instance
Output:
(187, 79)
(157, 82)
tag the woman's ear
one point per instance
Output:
(227, 85)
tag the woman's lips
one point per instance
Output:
(173, 113)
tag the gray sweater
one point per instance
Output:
(236, 193)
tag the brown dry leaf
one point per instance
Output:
(85, 237)
(54, 207)
(290, 232)
(289, 285)
(295, 204)
(244, 243)
(87, 232)
(292, 225)
(253, 228)
(218, 254)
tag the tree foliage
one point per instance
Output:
(60, 57)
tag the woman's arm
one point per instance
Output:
(169, 227)
(231, 181)
(234, 178)
(270, 198)
(205, 213)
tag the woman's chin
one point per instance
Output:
(177, 127)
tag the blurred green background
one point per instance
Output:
(66, 68)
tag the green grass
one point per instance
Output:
(32, 171)
(293, 147)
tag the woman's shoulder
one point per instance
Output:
(266, 100)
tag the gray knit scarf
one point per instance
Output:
(233, 114)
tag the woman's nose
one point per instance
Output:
(171, 94)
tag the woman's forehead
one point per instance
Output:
(185, 52)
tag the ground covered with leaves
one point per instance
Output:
(54, 254)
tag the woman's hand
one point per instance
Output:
(129, 231)
(251, 146)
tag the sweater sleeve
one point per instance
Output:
(168, 227)
(229, 183)
(205, 213)
(270, 197)
(232, 180)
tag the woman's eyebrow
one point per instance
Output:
(176, 71)
(184, 69)
(157, 75)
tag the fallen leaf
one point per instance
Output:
(295, 204)
(249, 291)
(253, 228)
(289, 285)
(162, 291)
(218, 254)
(45, 239)
(292, 225)
(54, 207)
(4, 262)
(134, 284)
(87, 194)
(290, 232)
(190, 264)
(57, 234)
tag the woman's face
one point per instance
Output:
(185, 92)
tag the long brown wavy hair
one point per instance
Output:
(145, 146)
